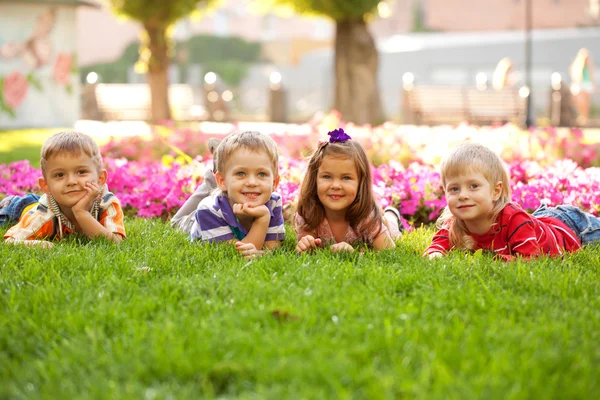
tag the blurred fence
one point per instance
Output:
(276, 103)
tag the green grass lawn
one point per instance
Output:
(158, 317)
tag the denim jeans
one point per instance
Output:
(11, 207)
(585, 225)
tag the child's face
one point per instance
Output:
(471, 199)
(66, 176)
(248, 178)
(337, 183)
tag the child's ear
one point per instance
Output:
(276, 183)
(497, 191)
(44, 185)
(220, 181)
(102, 177)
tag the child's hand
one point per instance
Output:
(247, 210)
(93, 190)
(435, 255)
(248, 250)
(342, 246)
(306, 243)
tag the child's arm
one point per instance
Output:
(272, 244)
(258, 231)
(440, 244)
(88, 224)
(522, 238)
(383, 241)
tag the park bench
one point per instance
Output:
(132, 102)
(431, 105)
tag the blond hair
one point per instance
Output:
(72, 143)
(251, 140)
(472, 157)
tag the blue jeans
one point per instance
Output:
(11, 207)
(585, 225)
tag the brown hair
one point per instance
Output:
(462, 159)
(250, 140)
(70, 142)
(363, 215)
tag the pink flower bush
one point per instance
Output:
(384, 143)
(153, 189)
(14, 89)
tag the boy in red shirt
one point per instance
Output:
(480, 214)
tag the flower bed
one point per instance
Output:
(156, 189)
(403, 143)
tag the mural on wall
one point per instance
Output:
(36, 62)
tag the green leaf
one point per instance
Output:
(33, 81)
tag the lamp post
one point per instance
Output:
(528, 19)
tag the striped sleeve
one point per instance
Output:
(276, 230)
(112, 217)
(440, 243)
(35, 224)
(210, 224)
(523, 236)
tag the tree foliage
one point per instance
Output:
(335, 9)
(162, 13)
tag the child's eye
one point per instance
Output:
(240, 173)
(82, 171)
(453, 189)
(58, 175)
(262, 174)
(325, 176)
(347, 178)
(474, 186)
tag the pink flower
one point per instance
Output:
(62, 68)
(15, 89)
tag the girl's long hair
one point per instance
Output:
(465, 158)
(363, 215)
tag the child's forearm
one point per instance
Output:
(272, 244)
(92, 228)
(383, 241)
(258, 231)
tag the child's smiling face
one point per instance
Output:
(337, 183)
(66, 175)
(248, 177)
(471, 198)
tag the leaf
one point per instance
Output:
(33, 81)
(69, 89)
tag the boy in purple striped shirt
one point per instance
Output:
(245, 210)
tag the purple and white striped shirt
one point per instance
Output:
(216, 222)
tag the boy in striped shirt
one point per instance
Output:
(480, 214)
(244, 210)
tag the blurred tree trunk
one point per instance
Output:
(158, 66)
(356, 65)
